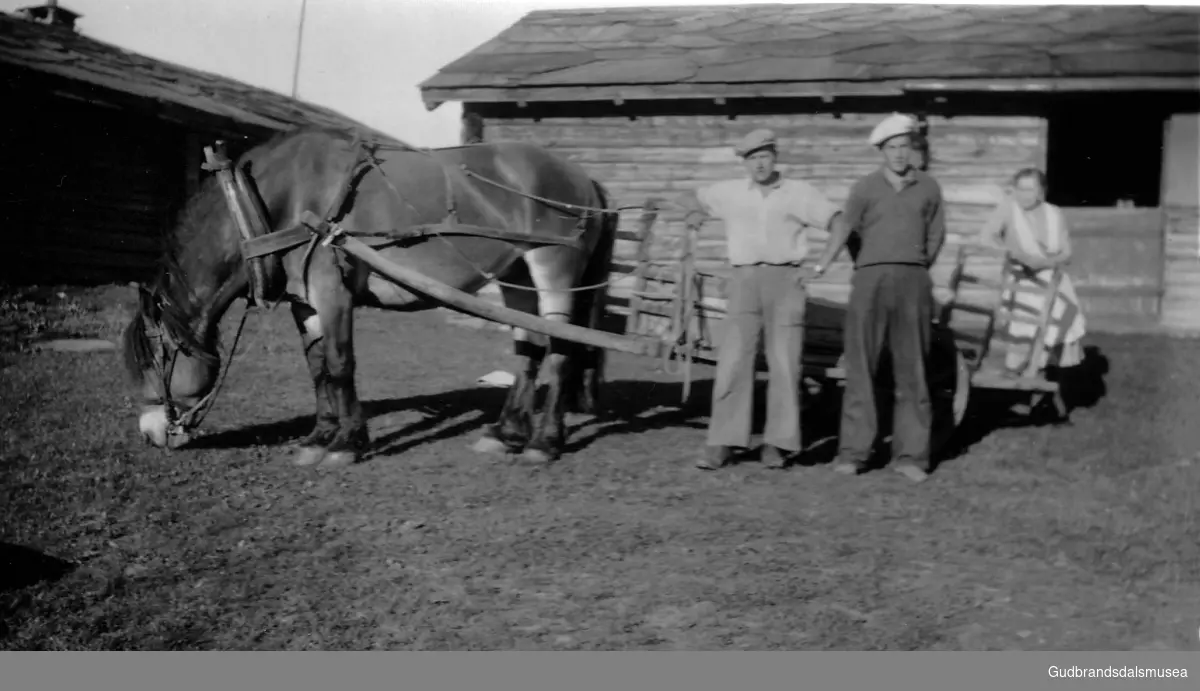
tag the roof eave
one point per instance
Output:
(434, 97)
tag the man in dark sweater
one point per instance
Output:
(897, 215)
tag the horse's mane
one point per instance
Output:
(163, 302)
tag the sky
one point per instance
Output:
(363, 58)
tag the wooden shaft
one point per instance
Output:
(470, 304)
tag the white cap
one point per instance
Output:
(758, 139)
(893, 125)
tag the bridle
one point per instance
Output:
(179, 419)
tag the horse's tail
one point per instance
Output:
(586, 375)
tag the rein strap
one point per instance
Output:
(296, 236)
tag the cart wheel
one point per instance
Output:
(962, 388)
(1060, 407)
(950, 401)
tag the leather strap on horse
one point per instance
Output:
(196, 414)
(270, 243)
(217, 162)
(291, 238)
(350, 180)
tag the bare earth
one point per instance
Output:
(1034, 537)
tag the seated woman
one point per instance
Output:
(1034, 233)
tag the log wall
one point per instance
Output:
(1181, 197)
(88, 187)
(86, 193)
(668, 156)
(1181, 298)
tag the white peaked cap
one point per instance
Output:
(892, 126)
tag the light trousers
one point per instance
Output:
(763, 300)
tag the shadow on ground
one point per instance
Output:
(21, 567)
(622, 411)
(438, 408)
(1082, 387)
(635, 406)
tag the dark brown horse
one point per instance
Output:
(171, 345)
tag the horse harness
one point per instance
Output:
(258, 242)
(312, 230)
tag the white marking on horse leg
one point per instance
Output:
(524, 299)
(554, 302)
(489, 445)
(338, 459)
(537, 456)
(312, 326)
(308, 455)
(553, 274)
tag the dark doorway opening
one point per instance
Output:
(1100, 154)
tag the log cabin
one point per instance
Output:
(1105, 99)
(100, 147)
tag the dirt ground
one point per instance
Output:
(1032, 537)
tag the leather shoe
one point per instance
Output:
(774, 458)
(849, 467)
(715, 457)
(911, 472)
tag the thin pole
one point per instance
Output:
(299, 43)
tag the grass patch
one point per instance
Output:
(1078, 537)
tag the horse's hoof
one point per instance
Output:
(308, 455)
(339, 459)
(539, 455)
(489, 445)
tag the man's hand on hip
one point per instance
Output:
(806, 274)
(695, 219)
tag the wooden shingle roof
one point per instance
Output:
(802, 50)
(188, 93)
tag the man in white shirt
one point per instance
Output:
(766, 220)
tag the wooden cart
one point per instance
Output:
(984, 341)
(680, 307)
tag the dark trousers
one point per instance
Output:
(891, 305)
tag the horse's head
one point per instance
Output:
(173, 368)
(170, 347)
